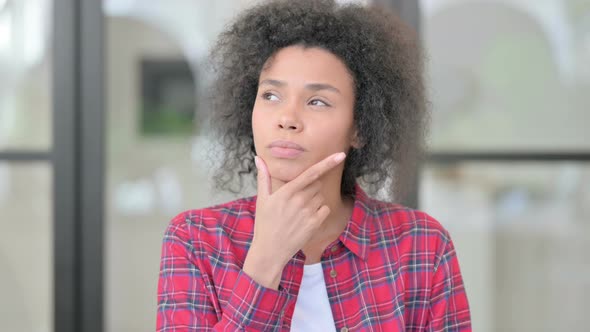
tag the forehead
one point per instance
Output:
(299, 64)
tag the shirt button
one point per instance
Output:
(344, 329)
(334, 248)
(333, 274)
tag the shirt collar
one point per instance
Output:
(356, 235)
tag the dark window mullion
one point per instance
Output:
(409, 11)
(24, 156)
(65, 165)
(92, 164)
(78, 165)
(547, 156)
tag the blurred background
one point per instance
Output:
(103, 133)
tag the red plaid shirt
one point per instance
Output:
(392, 269)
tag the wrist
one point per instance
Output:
(267, 271)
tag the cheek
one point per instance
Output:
(335, 135)
(256, 123)
(259, 128)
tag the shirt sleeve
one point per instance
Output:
(449, 308)
(187, 301)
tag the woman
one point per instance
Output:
(313, 96)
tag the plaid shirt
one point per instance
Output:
(392, 269)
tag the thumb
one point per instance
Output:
(263, 180)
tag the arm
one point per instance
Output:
(449, 308)
(186, 297)
(285, 220)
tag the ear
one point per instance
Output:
(355, 141)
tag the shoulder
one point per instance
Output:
(402, 219)
(225, 219)
(399, 223)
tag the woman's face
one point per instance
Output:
(303, 110)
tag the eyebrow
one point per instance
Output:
(311, 86)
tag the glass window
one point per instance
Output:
(521, 231)
(156, 167)
(25, 68)
(508, 75)
(26, 247)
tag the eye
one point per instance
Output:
(269, 96)
(318, 102)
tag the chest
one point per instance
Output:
(361, 296)
(376, 293)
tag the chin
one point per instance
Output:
(285, 170)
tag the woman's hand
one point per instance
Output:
(285, 219)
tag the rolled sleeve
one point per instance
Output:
(255, 307)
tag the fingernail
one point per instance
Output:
(339, 157)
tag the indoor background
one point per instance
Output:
(103, 140)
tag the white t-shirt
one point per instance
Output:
(312, 310)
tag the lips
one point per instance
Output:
(286, 145)
(285, 149)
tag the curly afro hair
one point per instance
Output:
(384, 58)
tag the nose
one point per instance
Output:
(288, 120)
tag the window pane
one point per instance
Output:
(508, 75)
(25, 68)
(521, 232)
(26, 247)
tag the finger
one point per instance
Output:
(307, 193)
(264, 185)
(302, 199)
(314, 172)
(316, 202)
(318, 218)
